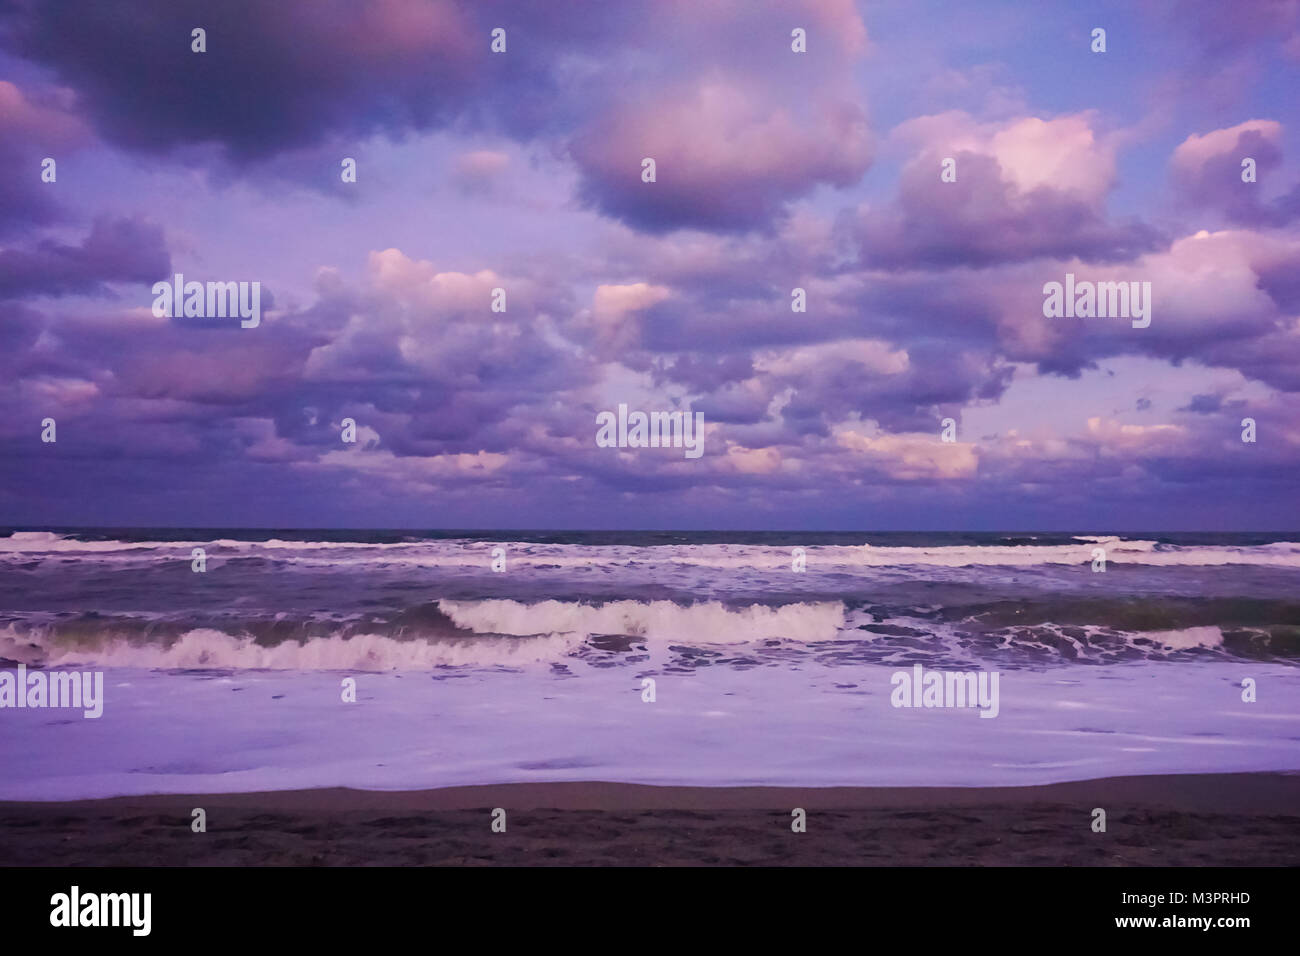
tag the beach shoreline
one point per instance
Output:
(1243, 819)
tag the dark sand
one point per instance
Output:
(1179, 820)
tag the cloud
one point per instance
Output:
(522, 170)
(273, 77)
(116, 250)
(1025, 189)
(1203, 404)
(725, 159)
(913, 457)
(478, 172)
(1223, 32)
(29, 133)
(617, 314)
(1207, 171)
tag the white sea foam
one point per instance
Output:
(272, 730)
(656, 621)
(1187, 637)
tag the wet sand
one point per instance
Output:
(1176, 820)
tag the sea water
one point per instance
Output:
(642, 657)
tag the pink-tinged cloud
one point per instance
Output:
(1211, 172)
(1023, 189)
(30, 132)
(726, 158)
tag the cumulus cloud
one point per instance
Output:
(272, 77)
(1024, 189)
(924, 298)
(1207, 171)
(725, 159)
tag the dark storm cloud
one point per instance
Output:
(274, 77)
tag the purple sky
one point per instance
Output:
(775, 170)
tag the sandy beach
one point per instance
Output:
(1171, 820)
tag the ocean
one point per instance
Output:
(693, 658)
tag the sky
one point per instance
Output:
(775, 170)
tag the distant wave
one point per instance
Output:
(466, 553)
